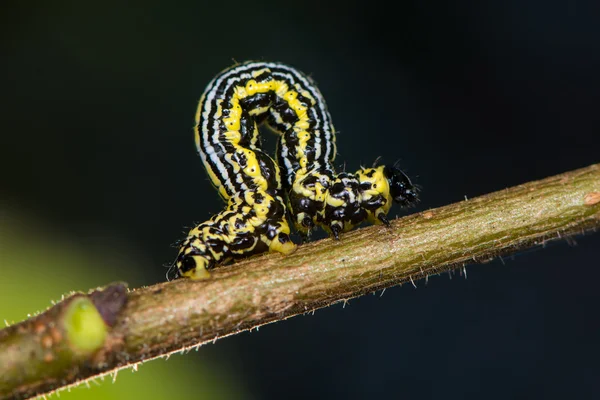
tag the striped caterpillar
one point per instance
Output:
(257, 189)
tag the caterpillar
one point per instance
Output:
(260, 192)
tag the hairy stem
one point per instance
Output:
(41, 354)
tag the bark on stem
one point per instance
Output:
(168, 317)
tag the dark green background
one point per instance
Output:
(99, 169)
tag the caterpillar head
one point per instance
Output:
(381, 185)
(402, 190)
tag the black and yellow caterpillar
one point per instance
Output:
(257, 189)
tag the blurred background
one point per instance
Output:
(100, 176)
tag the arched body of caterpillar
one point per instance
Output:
(228, 142)
(256, 188)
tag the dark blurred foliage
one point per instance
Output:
(472, 97)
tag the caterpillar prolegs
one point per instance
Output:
(260, 192)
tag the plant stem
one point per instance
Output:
(172, 316)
